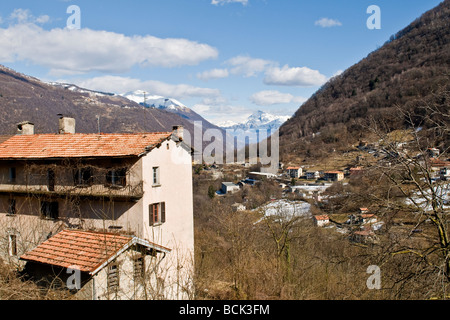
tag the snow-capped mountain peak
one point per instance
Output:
(154, 101)
(258, 120)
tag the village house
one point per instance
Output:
(238, 207)
(438, 164)
(294, 172)
(433, 152)
(334, 175)
(229, 187)
(355, 171)
(364, 237)
(261, 176)
(445, 174)
(135, 189)
(312, 175)
(363, 210)
(321, 220)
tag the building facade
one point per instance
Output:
(138, 185)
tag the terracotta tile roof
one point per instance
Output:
(439, 163)
(321, 217)
(88, 251)
(42, 146)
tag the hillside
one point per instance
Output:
(24, 98)
(410, 71)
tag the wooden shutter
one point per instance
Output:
(150, 215)
(154, 213)
(163, 212)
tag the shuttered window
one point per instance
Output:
(157, 213)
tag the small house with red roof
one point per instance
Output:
(294, 172)
(321, 220)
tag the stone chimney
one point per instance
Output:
(178, 131)
(25, 128)
(66, 125)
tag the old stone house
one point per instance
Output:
(137, 186)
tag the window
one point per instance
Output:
(139, 267)
(12, 207)
(113, 277)
(155, 177)
(51, 180)
(12, 245)
(83, 177)
(117, 177)
(157, 213)
(49, 210)
(12, 175)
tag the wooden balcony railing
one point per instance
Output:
(130, 191)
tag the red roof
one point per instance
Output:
(293, 168)
(42, 146)
(87, 251)
(439, 163)
(322, 217)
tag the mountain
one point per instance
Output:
(169, 105)
(154, 101)
(249, 129)
(391, 86)
(24, 98)
(258, 121)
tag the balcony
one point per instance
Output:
(129, 192)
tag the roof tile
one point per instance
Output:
(56, 251)
(42, 146)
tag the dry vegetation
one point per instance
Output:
(240, 257)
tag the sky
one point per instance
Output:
(225, 59)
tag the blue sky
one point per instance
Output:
(223, 58)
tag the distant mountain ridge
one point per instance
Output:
(25, 98)
(260, 120)
(167, 104)
(256, 127)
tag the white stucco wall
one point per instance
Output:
(175, 189)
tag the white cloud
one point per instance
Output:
(120, 85)
(296, 76)
(66, 51)
(248, 66)
(25, 16)
(214, 101)
(222, 2)
(271, 97)
(213, 74)
(327, 23)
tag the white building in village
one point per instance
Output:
(116, 207)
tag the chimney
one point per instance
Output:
(178, 131)
(66, 125)
(25, 128)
